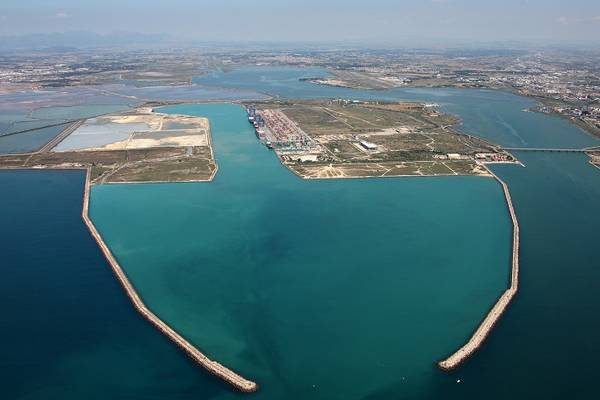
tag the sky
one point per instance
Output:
(377, 21)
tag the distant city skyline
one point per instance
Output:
(375, 21)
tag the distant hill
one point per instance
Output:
(67, 41)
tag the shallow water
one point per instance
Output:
(77, 111)
(93, 134)
(29, 141)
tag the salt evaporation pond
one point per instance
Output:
(96, 134)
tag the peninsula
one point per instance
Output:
(357, 139)
(136, 146)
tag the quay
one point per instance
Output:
(486, 326)
(211, 366)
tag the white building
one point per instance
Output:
(368, 145)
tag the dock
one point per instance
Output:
(220, 371)
(487, 325)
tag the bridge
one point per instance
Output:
(584, 150)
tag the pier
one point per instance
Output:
(486, 326)
(211, 366)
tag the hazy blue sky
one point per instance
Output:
(313, 20)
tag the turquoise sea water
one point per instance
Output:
(307, 285)
(545, 347)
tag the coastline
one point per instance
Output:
(541, 100)
(548, 103)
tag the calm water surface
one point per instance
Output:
(306, 286)
(67, 330)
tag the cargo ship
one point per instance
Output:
(259, 126)
(251, 111)
(261, 134)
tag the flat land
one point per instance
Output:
(357, 80)
(364, 80)
(136, 146)
(139, 129)
(389, 169)
(345, 139)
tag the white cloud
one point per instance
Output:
(61, 14)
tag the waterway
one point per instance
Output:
(265, 302)
(494, 115)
